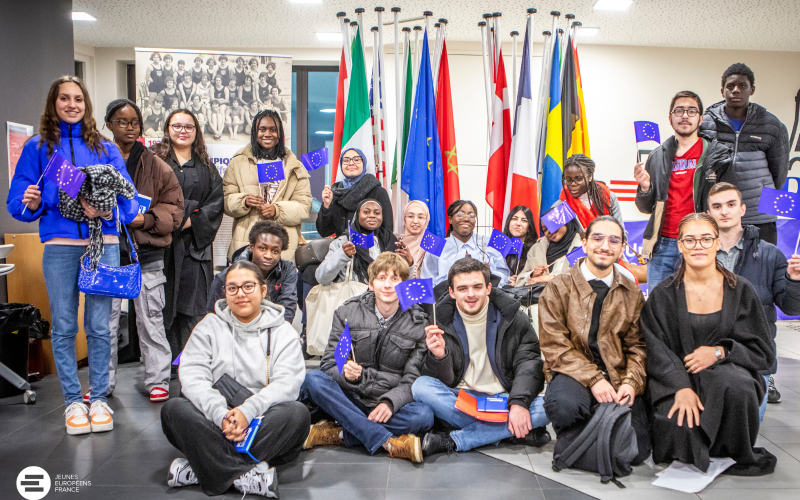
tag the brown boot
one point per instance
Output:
(323, 433)
(407, 447)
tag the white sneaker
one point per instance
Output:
(100, 415)
(181, 474)
(77, 420)
(260, 480)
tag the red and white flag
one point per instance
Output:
(499, 145)
(338, 122)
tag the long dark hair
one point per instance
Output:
(164, 148)
(279, 151)
(730, 278)
(49, 131)
(587, 166)
(454, 208)
(530, 235)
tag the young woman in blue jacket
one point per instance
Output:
(68, 128)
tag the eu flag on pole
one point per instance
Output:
(315, 159)
(432, 243)
(65, 175)
(646, 131)
(360, 240)
(557, 217)
(417, 291)
(777, 202)
(422, 168)
(271, 171)
(499, 242)
(343, 348)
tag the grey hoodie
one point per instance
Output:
(222, 344)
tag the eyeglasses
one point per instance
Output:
(178, 128)
(577, 180)
(247, 288)
(122, 123)
(613, 241)
(462, 215)
(678, 112)
(691, 243)
(355, 161)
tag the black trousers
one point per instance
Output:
(567, 403)
(178, 333)
(214, 459)
(768, 232)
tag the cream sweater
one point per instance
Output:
(479, 375)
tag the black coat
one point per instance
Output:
(515, 356)
(333, 220)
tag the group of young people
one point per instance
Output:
(693, 362)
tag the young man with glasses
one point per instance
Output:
(675, 182)
(743, 252)
(589, 333)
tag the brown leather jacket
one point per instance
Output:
(565, 316)
(155, 179)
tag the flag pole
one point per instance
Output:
(427, 15)
(345, 39)
(360, 19)
(437, 29)
(353, 29)
(484, 51)
(575, 27)
(387, 180)
(376, 103)
(417, 50)
(398, 131)
(514, 37)
(490, 53)
(567, 33)
(438, 54)
(498, 39)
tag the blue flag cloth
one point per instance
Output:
(271, 171)
(574, 255)
(417, 291)
(516, 247)
(557, 217)
(65, 175)
(422, 170)
(360, 240)
(499, 242)
(315, 159)
(343, 348)
(177, 359)
(646, 131)
(432, 243)
(777, 202)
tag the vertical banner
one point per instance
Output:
(225, 90)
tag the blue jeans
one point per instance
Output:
(351, 413)
(763, 408)
(664, 262)
(472, 432)
(61, 265)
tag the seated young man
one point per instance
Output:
(483, 343)
(371, 399)
(267, 240)
(593, 348)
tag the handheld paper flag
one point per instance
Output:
(360, 240)
(776, 202)
(557, 217)
(574, 255)
(646, 131)
(432, 243)
(343, 348)
(515, 247)
(315, 159)
(417, 291)
(271, 171)
(65, 174)
(499, 242)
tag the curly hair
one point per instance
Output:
(269, 227)
(49, 131)
(739, 69)
(164, 149)
(730, 278)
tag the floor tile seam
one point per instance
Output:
(32, 421)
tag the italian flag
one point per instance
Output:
(357, 131)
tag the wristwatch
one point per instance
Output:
(718, 352)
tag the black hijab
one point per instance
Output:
(386, 243)
(558, 249)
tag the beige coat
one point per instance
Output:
(292, 200)
(537, 256)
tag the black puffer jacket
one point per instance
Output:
(333, 220)
(390, 357)
(760, 153)
(514, 356)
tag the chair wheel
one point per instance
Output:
(29, 397)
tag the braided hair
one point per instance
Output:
(453, 209)
(279, 151)
(730, 278)
(587, 166)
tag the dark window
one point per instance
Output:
(79, 66)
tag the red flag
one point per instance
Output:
(338, 125)
(499, 145)
(447, 132)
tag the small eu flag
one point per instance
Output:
(271, 171)
(343, 348)
(557, 217)
(515, 247)
(177, 359)
(499, 242)
(360, 240)
(574, 255)
(777, 202)
(646, 131)
(315, 159)
(432, 243)
(417, 291)
(65, 174)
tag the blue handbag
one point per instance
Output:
(121, 282)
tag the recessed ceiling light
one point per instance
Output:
(617, 5)
(587, 31)
(82, 16)
(330, 37)
(327, 110)
(324, 132)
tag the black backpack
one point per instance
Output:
(605, 445)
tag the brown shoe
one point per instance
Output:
(407, 447)
(323, 433)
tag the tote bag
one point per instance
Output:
(321, 303)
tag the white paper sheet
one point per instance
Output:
(688, 478)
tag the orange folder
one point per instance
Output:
(469, 405)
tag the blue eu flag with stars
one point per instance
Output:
(432, 243)
(777, 202)
(343, 348)
(271, 171)
(515, 247)
(360, 240)
(412, 292)
(65, 175)
(557, 217)
(646, 131)
(315, 159)
(499, 242)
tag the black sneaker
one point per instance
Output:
(537, 438)
(434, 442)
(773, 396)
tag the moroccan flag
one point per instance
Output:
(554, 144)
(447, 131)
(499, 145)
(338, 126)
(357, 131)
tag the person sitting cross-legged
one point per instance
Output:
(371, 399)
(482, 343)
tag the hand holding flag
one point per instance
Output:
(315, 159)
(646, 131)
(416, 291)
(500, 242)
(360, 240)
(271, 171)
(432, 243)
(66, 175)
(343, 348)
(558, 216)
